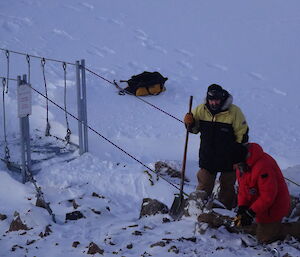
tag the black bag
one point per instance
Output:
(146, 83)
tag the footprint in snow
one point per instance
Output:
(94, 52)
(14, 24)
(147, 42)
(74, 8)
(10, 26)
(63, 33)
(100, 51)
(140, 34)
(256, 75)
(87, 5)
(279, 92)
(217, 66)
(186, 64)
(184, 52)
(110, 20)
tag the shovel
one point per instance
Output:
(178, 204)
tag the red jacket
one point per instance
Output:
(263, 188)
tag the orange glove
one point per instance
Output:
(189, 119)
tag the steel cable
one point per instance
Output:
(6, 149)
(143, 100)
(38, 57)
(43, 59)
(47, 132)
(106, 139)
(68, 135)
(7, 70)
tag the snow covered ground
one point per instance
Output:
(250, 48)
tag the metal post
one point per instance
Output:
(25, 135)
(84, 106)
(79, 111)
(81, 106)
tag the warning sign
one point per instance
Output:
(24, 100)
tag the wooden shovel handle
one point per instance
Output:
(185, 151)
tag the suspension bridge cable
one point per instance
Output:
(36, 56)
(106, 139)
(292, 181)
(92, 72)
(67, 137)
(6, 149)
(8, 78)
(7, 69)
(28, 63)
(141, 99)
(47, 132)
(43, 59)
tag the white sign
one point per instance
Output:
(24, 100)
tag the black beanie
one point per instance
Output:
(240, 152)
(215, 91)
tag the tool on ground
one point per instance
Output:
(178, 204)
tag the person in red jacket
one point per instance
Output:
(262, 192)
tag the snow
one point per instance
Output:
(250, 48)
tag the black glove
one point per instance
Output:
(241, 210)
(247, 217)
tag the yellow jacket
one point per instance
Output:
(218, 133)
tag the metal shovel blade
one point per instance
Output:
(177, 207)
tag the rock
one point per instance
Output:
(160, 243)
(173, 249)
(17, 225)
(287, 255)
(93, 249)
(212, 219)
(95, 211)
(15, 247)
(166, 220)
(29, 242)
(163, 168)
(196, 203)
(192, 239)
(129, 246)
(41, 203)
(75, 205)
(97, 195)
(75, 244)
(75, 215)
(3, 216)
(48, 230)
(152, 207)
(137, 233)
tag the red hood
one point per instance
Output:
(255, 151)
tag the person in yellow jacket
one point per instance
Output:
(220, 124)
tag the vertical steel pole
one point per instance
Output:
(84, 107)
(25, 137)
(23, 165)
(79, 107)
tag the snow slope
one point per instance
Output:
(250, 48)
